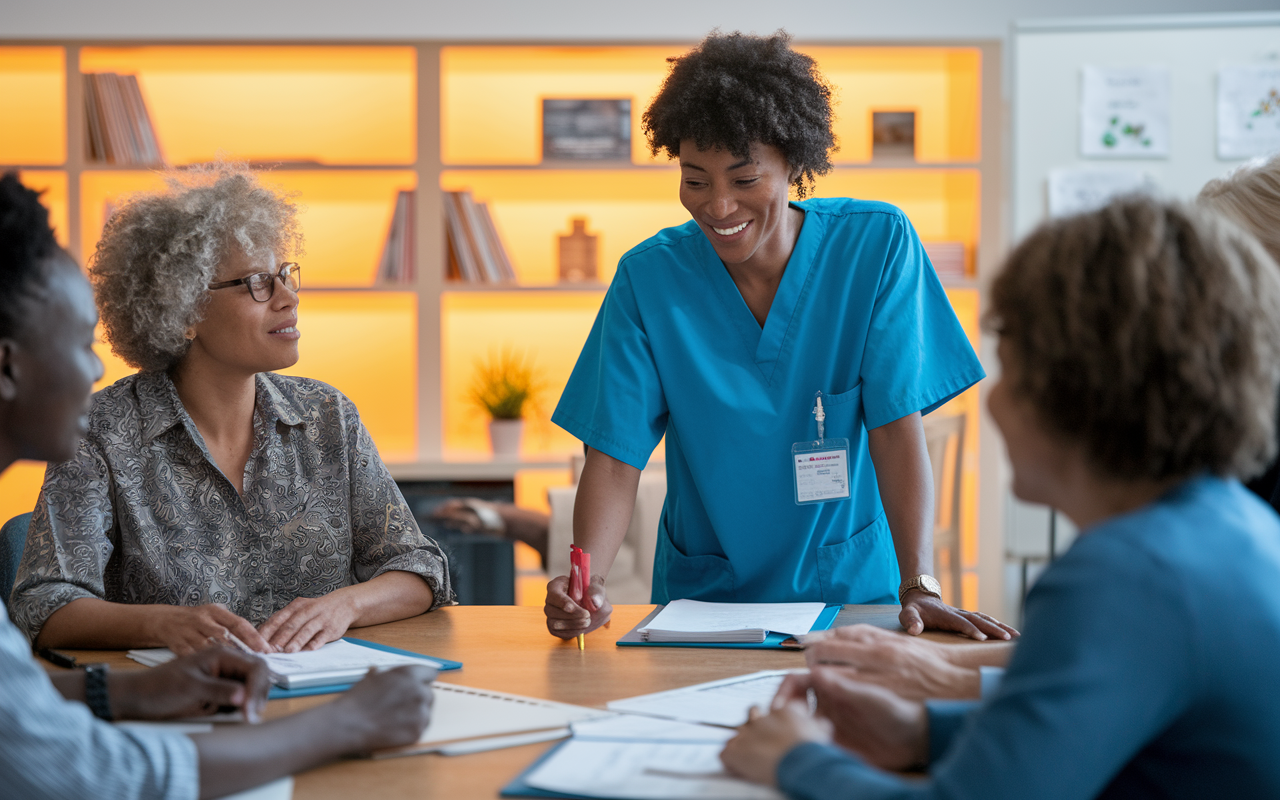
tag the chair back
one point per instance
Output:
(13, 537)
(944, 437)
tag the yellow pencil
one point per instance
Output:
(582, 641)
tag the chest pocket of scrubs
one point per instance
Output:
(844, 414)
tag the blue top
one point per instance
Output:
(859, 314)
(51, 747)
(1149, 667)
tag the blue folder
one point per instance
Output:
(518, 788)
(280, 693)
(772, 641)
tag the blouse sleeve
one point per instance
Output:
(917, 356)
(68, 542)
(384, 534)
(614, 401)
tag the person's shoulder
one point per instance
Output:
(668, 245)
(128, 399)
(848, 210)
(304, 398)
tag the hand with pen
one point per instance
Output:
(568, 618)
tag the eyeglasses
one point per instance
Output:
(263, 284)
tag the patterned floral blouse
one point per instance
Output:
(143, 515)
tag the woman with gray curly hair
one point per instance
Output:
(212, 496)
(1140, 351)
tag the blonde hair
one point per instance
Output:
(1250, 197)
(1148, 332)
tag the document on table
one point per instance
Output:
(462, 714)
(633, 727)
(697, 621)
(336, 662)
(642, 771)
(725, 702)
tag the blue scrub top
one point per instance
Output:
(859, 314)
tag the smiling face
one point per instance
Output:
(741, 204)
(238, 334)
(50, 367)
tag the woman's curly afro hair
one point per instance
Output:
(734, 90)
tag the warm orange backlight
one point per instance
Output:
(33, 88)
(365, 344)
(344, 215)
(548, 327)
(492, 96)
(942, 85)
(330, 105)
(532, 209)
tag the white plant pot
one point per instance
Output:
(504, 437)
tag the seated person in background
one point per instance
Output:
(212, 495)
(1250, 197)
(1140, 347)
(52, 748)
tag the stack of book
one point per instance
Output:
(397, 262)
(947, 259)
(476, 254)
(120, 129)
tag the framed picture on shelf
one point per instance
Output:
(586, 130)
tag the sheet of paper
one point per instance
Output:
(1075, 190)
(642, 771)
(694, 615)
(338, 656)
(635, 728)
(1248, 111)
(1124, 112)
(724, 702)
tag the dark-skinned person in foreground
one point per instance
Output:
(51, 744)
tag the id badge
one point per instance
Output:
(821, 467)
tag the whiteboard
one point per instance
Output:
(1047, 61)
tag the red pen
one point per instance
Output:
(580, 582)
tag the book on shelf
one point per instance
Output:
(476, 252)
(397, 262)
(947, 259)
(120, 129)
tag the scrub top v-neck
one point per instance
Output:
(859, 315)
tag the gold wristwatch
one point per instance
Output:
(925, 583)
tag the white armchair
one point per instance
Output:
(631, 578)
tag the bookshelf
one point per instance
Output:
(347, 126)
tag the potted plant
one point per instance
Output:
(505, 386)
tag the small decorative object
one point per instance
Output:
(586, 130)
(893, 134)
(579, 253)
(505, 386)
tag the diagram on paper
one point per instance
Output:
(1248, 111)
(1124, 112)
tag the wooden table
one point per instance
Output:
(507, 648)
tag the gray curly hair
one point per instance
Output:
(160, 250)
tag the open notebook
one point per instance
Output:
(696, 621)
(337, 663)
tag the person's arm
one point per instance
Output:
(308, 623)
(915, 668)
(905, 479)
(601, 515)
(96, 624)
(386, 709)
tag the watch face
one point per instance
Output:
(930, 584)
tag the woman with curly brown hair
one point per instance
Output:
(730, 333)
(1140, 353)
(211, 494)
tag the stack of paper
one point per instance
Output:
(724, 702)
(696, 621)
(336, 663)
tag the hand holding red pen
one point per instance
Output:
(576, 609)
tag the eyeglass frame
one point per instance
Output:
(287, 269)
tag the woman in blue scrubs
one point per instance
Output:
(721, 333)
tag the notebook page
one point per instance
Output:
(693, 616)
